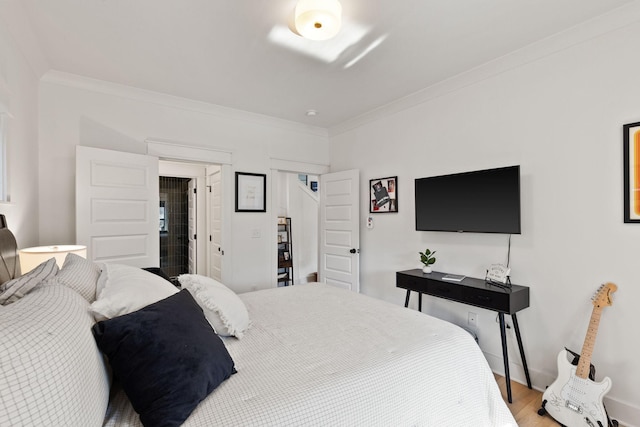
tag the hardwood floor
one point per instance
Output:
(525, 405)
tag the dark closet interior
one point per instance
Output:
(174, 225)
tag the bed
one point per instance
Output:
(311, 355)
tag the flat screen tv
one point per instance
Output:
(484, 201)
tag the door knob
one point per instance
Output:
(353, 251)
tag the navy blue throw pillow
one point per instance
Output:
(166, 356)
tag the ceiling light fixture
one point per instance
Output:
(318, 19)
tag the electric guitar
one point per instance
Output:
(574, 399)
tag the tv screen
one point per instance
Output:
(485, 201)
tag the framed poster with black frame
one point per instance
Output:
(383, 195)
(251, 192)
(631, 150)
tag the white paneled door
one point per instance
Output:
(192, 218)
(215, 225)
(117, 206)
(339, 230)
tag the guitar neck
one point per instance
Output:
(584, 364)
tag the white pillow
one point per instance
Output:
(223, 309)
(127, 289)
(81, 275)
(15, 289)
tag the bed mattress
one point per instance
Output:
(319, 355)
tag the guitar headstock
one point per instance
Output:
(603, 294)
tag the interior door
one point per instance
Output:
(215, 225)
(117, 206)
(339, 262)
(192, 204)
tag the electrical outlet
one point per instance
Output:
(472, 319)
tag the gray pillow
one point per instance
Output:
(52, 374)
(15, 289)
(81, 275)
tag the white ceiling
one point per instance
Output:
(241, 53)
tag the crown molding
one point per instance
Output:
(143, 95)
(167, 149)
(612, 21)
(298, 166)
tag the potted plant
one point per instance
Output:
(427, 259)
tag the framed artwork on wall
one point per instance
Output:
(631, 166)
(383, 195)
(251, 192)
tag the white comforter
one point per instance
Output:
(318, 355)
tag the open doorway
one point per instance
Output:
(190, 218)
(117, 215)
(177, 225)
(338, 232)
(298, 204)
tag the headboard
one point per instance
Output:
(9, 261)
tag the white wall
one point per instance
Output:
(18, 90)
(76, 111)
(559, 116)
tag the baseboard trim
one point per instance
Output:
(625, 413)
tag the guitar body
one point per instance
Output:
(575, 401)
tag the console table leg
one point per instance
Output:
(505, 355)
(406, 300)
(420, 302)
(524, 360)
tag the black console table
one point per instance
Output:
(476, 292)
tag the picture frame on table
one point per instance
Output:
(383, 195)
(631, 167)
(251, 192)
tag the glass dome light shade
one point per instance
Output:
(318, 19)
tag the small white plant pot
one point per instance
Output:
(426, 269)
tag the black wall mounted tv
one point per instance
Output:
(484, 201)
